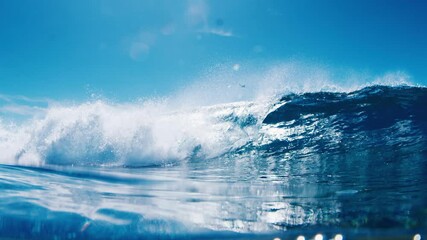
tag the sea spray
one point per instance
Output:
(221, 112)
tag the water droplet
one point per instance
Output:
(300, 238)
(338, 237)
(318, 237)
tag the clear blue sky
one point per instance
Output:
(126, 49)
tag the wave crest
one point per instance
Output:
(224, 114)
(103, 134)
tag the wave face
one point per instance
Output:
(325, 122)
(97, 133)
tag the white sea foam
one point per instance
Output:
(222, 110)
(100, 133)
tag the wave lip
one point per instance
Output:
(386, 103)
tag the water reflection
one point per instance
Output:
(240, 195)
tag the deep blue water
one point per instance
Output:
(331, 163)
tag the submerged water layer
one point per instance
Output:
(348, 194)
(353, 164)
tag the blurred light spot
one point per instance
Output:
(197, 13)
(138, 49)
(168, 29)
(417, 237)
(318, 237)
(300, 238)
(338, 237)
(85, 226)
(219, 22)
(347, 192)
(236, 67)
(218, 32)
(258, 49)
(141, 44)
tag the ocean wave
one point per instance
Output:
(98, 133)
(287, 110)
(375, 117)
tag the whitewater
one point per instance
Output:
(286, 152)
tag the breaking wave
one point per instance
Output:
(270, 115)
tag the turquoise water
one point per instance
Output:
(353, 164)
